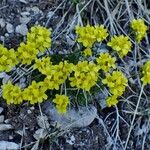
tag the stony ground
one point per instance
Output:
(20, 126)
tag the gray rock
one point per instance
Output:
(25, 20)
(5, 145)
(22, 29)
(2, 23)
(9, 28)
(4, 127)
(1, 118)
(1, 110)
(73, 118)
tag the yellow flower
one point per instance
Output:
(40, 36)
(146, 73)
(112, 101)
(8, 59)
(35, 93)
(27, 53)
(12, 93)
(116, 82)
(85, 75)
(61, 102)
(43, 65)
(100, 33)
(87, 52)
(57, 74)
(121, 44)
(106, 62)
(88, 35)
(140, 29)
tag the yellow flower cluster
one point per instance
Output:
(85, 75)
(40, 36)
(88, 35)
(43, 65)
(121, 44)
(140, 29)
(116, 83)
(106, 62)
(57, 75)
(8, 59)
(111, 101)
(87, 52)
(12, 93)
(35, 93)
(27, 53)
(146, 73)
(61, 101)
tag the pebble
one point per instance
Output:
(9, 28)
(1, 110)
(2, 23)
(4, 127)
(22, 29)
(1, 118)
(5, 145)
(25, 20)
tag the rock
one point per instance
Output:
(73, 118)
(2, 23)
(5, 145)
(4, 127)
(40, 134)
(1, 118)
(9, 28)
(23, 1)
(1, 110)
(5, 78)
(22, 29)
(25, 20)
(42, 121)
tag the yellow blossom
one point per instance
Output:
(35, 93)
(140, 28)
(121, 44)
(87, 52)
(40, 36)
(43, 65)
(8, 59)
(111, 101)
(27, 53)
(106, 61)
(57, 74)
(146, 73)
(85, 75)
(61, 102)
(12, 93)
(88, 35)
(100, 33)
(116, 82)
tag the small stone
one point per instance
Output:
(29, 111)
(1, 118)
(1, 110)
(8, 145)
(6, 35)
(25, 13)
(2, 23)
(10, 137)
(9, 28)
(22, 29)
(23, 1)
(4, 127)
(25, 20)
